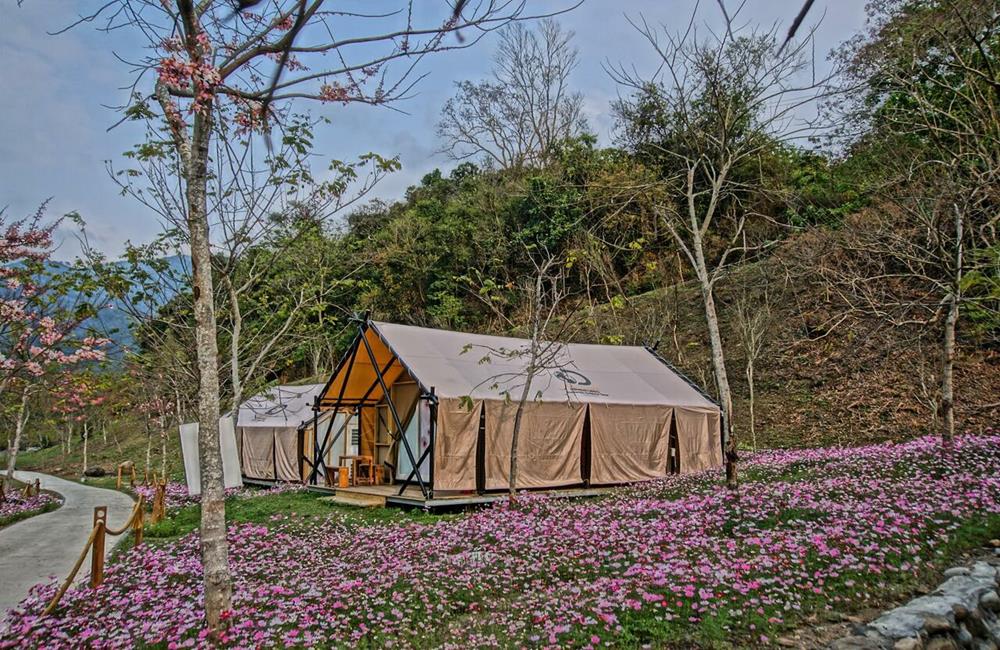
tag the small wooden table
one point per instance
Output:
(358, 462)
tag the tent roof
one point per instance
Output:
(279, 407)
(453, 364)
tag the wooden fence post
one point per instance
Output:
(97, 550)
(118, 483)
(137, 523)
(38, 487)
(159, 502)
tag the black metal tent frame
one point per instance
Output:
(354, 406)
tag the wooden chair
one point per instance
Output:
(364, 473)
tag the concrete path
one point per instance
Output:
(40, 547)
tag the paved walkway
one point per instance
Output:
(40, 547)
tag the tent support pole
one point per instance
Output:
(312, 465)
(336, 436)
(318, 460)
(395, 415)
(374, 385)
(320, 449)
(413, 473)
(427, 453)
(432, 430)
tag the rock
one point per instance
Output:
(995, 543)
(935, 624)
(96, 472)
(899, 623)
(785, 642)
(990, 600)
(956, 571)
(940, 643)
(960, 611)
(857, 643)
(977, 626)
(963, 637)
(984, 645)
(910, 643)
(983, 570)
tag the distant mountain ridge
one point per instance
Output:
(113, 320)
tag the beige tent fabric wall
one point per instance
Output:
(455, 445)
(549, 444)
(258, 452)
(286, 454)
(628, 442)
(404, 396)
(698, 439)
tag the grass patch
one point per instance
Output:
(268, 509)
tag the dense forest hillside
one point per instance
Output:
(836, 280)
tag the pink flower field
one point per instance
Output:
(16, 507)
(678, 561)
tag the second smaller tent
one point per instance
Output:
(269, 432)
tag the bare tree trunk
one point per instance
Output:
(69, 439)
(149, 450)
(163, 448)
(536, 326)
(718, 363)
(86, 439)
(14, 446)
(234, 352)
(214, 546)
(316, 352)
(947, 409)
(753, 424)
(515, 434)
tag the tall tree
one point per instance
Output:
(42, 313)
(517, 117)
(210, 65)
(708, 120)
(926, 99)
(547, 320)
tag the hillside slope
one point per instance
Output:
(823, 377)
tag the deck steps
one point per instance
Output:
(357, 499)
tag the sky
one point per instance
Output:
(59, 94)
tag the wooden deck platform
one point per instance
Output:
(377, 496)
(388, 495)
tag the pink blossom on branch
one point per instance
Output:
(37, 334)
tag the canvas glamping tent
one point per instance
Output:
(607, 415)
(274, 434)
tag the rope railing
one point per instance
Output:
(95, 546)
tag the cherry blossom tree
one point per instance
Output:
(77, 394)
(41, 314)
(206, 65)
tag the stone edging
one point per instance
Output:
(963, 612)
